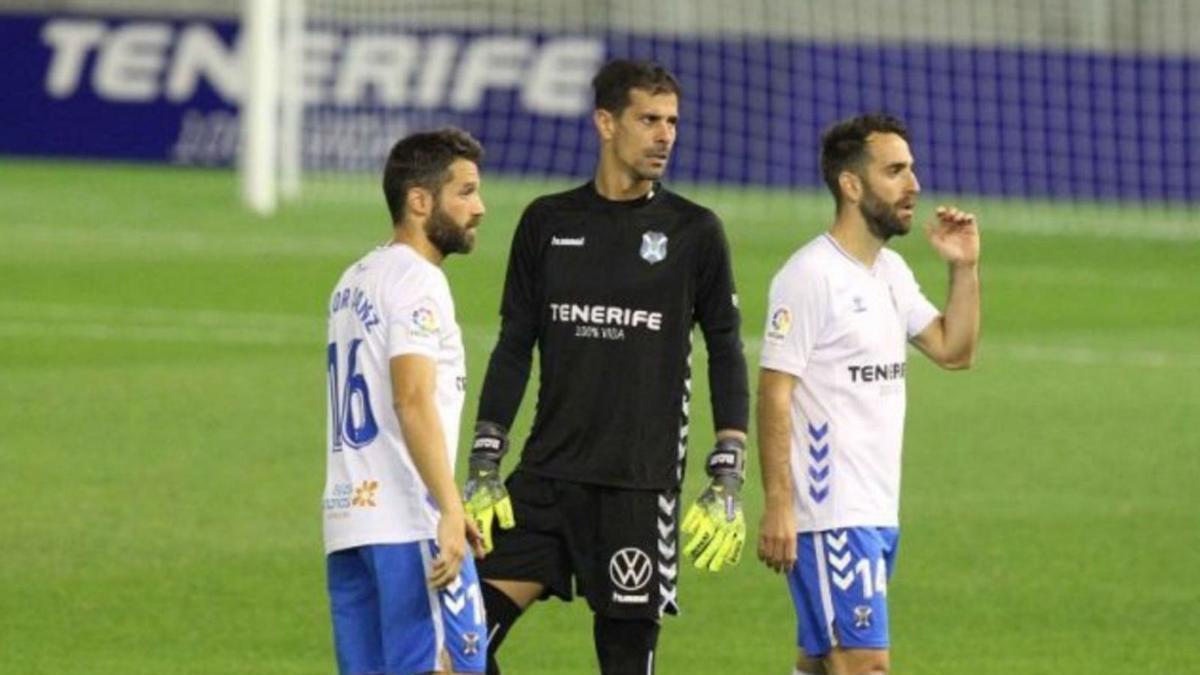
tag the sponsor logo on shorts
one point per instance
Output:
(630, 570)
(862, 616)
(568, 241)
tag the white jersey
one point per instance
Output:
(391, 302)
(842, 329)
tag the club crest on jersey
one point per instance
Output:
(654, 247)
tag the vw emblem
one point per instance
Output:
(654, 247)
(630, 569)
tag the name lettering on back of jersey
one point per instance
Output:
(355, 299)
(568, 241)
(605, 322)
(878, 373)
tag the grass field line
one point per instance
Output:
(157, 324)
(157, 241)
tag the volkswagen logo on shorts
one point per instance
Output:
(654, 247)
(630, 569)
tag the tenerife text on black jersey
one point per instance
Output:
(609, 293)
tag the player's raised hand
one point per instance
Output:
(452, 548)
(954, 234)
(777, 537)
(485, 498)
(715, 522)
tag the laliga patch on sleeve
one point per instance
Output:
(423, 321)
(779, 324)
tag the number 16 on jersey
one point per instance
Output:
(350, 416)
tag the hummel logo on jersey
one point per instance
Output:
(859, 307)
(654, 247)
(567, 241)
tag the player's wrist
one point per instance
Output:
(489, 445)
(726, 463)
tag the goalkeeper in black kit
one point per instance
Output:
(608, 280)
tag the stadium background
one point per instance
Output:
(161, 405)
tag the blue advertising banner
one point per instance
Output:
(984, 120)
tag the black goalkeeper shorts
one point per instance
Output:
(619, 546)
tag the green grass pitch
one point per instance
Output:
(162, 436)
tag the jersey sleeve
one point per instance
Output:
(416, 326)
(797, 305)
(917, 310)
(720, 321)
(509, 365)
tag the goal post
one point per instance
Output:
(1069, 101)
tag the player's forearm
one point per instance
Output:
(423, 434)
(728, 380)
(962, 316)
(507, 373)
(774, 424)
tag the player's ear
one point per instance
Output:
(418, 201)
(605, 123)
(851, 186)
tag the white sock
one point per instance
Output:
(801, 672)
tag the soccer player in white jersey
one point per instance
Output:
(403, 590)
(831, 393)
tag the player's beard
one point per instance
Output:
(882, 219)
(447, 235)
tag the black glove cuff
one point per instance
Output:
(490, 444)
(727, 459)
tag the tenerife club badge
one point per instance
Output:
(654, 247)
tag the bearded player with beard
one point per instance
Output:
(403, 589)
(831, 394)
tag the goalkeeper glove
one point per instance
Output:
(484, 496)
(715, 521)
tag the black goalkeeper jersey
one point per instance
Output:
(610, 291)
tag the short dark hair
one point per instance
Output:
(614, 81)
(423, 160)
(844, 145)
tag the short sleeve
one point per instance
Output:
(417, 316)
(797, 305)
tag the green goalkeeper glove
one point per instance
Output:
(484, 497)
(715, 521)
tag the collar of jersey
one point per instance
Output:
(624, 203)
(873, 270)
